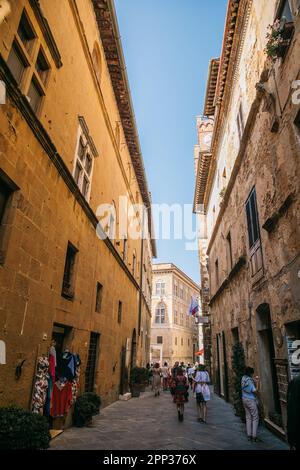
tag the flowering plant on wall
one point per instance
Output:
(279, 37)
(275, 40)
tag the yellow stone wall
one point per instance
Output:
(43, 215)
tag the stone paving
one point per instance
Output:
(151, 423)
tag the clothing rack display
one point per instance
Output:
(56, 383)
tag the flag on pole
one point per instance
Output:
(200, 353)
(194, 307)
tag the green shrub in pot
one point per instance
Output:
(86, 406)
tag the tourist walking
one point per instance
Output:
(165, 376)
(156, 379)
(175, 369)
(179, 391)
(249, 392)
(293, 413)
(202, 380)
(190, 373)
(149, 371)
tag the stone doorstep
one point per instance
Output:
(55, 432)
(279, 432)
(125, 397)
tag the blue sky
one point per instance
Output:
(167, 46)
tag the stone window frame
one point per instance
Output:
(217, 273)
(7, 218)
(160, 288)
(254, 242)
(31, 78)
(120, 311)
(181, 318)
(175, 288)
(240, 121)
(69, 275)
(99, 297)
(175, 316)
(125, 249)
(161, 306)
(85, 149)
(186, 293)
(229, 252)
(181, 291)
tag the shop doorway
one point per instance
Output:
(268, 373)
(62, 335)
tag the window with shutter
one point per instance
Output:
(256, 259)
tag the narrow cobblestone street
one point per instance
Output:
(151, 423)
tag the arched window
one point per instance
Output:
(97, 61)
(160, 314)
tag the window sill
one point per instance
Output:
(67, 294)
(271, 223)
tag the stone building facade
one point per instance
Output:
(202, 152)
(174, 333)
(247, 196)
(68, 143)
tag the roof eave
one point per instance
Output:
(110, 35)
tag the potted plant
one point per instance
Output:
(144, 378)
(279, 38)
(238, 368)
(136, 381)
(86, 406)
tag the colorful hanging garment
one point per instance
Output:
(52, 362)
(61, 398)
(41, 385)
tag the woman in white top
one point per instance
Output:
(165, 375)
(202, 392)
(156, 384)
